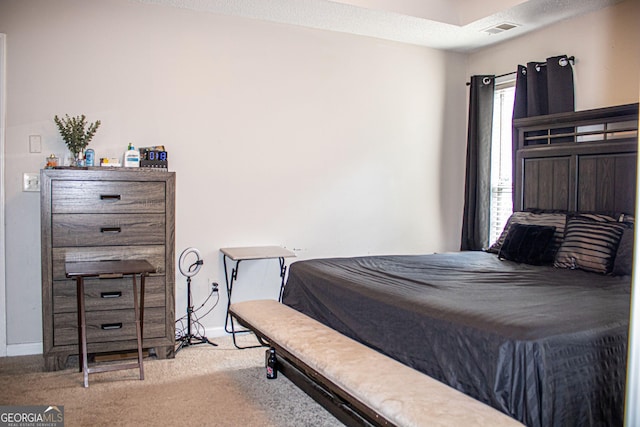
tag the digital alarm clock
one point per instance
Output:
(154, 157)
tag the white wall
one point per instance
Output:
(606, 45)
(3, 317)
(632, 411)
(325, 143)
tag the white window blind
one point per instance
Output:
(501, 199)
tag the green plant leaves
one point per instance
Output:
(75, 133)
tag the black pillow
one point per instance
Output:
(527, 244)
(548, 219)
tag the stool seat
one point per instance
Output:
(109, 270)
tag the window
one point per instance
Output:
(501, 205)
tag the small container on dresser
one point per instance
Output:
(97, 215)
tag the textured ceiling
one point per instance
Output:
(455, 25)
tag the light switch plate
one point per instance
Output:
(35, 144)
(30, 182)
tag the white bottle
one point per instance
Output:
(131, 157)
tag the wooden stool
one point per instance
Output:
(108, 270)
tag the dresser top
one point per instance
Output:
(103, 173)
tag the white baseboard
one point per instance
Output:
(36, 347)
(216, 332)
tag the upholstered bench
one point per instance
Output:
(369, 387)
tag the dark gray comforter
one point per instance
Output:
(544, 345)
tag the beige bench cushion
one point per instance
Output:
(399, 393)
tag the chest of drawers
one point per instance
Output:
(98, 215)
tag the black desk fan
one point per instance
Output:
(190, 268)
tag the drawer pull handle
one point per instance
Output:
(110, 326)
(110, 294)
(110, 197)
(110, 229)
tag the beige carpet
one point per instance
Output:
(202, 386)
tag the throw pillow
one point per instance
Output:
(589, 245)
(528, 244)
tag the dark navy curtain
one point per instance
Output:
(475, 221)
(543, 88)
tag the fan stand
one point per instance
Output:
(191, 339)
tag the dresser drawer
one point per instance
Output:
(154, 254)
(107, 229)
(108, 197)
(107, 294)
(108, 326)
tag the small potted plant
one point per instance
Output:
(76, 133)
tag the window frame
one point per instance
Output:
(501, 188)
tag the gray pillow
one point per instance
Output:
(589, 245)
(623, 263)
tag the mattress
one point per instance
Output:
(546, 346)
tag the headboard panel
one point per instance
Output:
(582, 161)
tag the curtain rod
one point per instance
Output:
(542, 64)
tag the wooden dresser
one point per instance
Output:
(99, 214)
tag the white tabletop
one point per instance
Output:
(257, 252)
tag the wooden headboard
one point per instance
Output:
(579, 161)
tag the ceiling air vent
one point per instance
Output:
(500, 28)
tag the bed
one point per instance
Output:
(536, 326)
